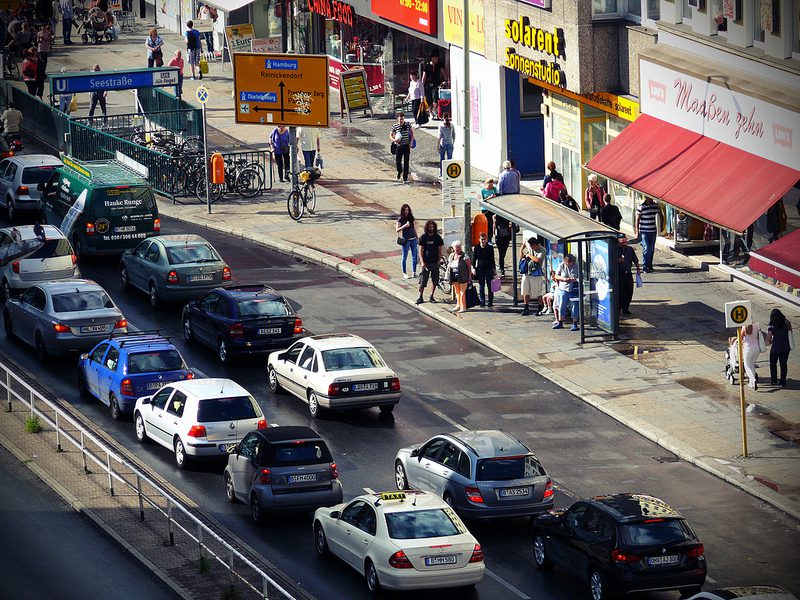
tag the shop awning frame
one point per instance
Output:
(228, 6)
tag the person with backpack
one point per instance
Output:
(553, 189)
(193, 48)
(531, 262)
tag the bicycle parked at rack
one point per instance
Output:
(444, 275)
(303, 196)
(241, 177)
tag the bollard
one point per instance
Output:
(58, 434)
(83, 454)
(110, 476)
(169, 521)
(139, 493)
(230, 571)
(32, 413)
(200, 539)
(8, 390)
(265, 587)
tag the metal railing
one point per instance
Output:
(152, 100)
(42, 121)
(99, 454)
(182, 122)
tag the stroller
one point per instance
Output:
(95, 27)
(732, 369)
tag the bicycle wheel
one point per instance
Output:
(249, 183)
(310, 197)
(215, 192)
(444, 279)
(295, 205)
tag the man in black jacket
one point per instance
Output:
(625, 263)
(484, 268)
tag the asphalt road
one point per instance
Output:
(449, 382)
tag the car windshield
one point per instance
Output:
(658, 532)
(344, 359)
(298, 453)
(420, 524)
(232, 408)
(191, 253)
(50, 248)
(155, 362)
(37, 174)
(508, 468)
(81, 300)
(261, 308)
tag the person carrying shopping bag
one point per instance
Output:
(460, 269)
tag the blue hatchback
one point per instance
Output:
(121, 369)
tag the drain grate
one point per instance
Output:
(666, 459)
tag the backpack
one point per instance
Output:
(523, 265)
(192, 40)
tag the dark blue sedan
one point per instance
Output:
(242, 320)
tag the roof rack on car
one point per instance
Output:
(147, 336)
(258, 288)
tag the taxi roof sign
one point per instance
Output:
(392, 495)
(738, 313)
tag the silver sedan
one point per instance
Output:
(56, 317)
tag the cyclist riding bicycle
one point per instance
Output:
(10, 120)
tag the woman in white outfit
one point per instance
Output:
(751, 350)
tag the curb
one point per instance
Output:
(660, 437)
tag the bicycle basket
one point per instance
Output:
(310, 174)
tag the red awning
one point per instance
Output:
(780, 260)
(715, 182)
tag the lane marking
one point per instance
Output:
(444, 417)
(507, 585)
(369, 490)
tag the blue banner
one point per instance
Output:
(270, 97)
(108, 81)
(600, 277)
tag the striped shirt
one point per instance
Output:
(405, 133)
(648, 213)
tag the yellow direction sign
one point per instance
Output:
(281, 89)
(738, 313)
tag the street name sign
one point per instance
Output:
(281, 89)
(452, 182)
(108, 81)
(738, 313)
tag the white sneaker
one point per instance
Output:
(406, 276)
(414, 275)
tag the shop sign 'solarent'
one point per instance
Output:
(521, 32)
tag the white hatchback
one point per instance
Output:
(337, 371)
(198, 418)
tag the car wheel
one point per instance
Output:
(6, 291)
(448, 499)
(256, 512)
(123, 277)
(540, 552)
(371, 575)
(187, 329)
(154, 300)
(272, 378)
(314, 408)
(222, 351)
(39, 347)
(141, 432)
(689, 592)
(7, 325)
(113, 407)
(597, 585)
(181, 458)
(387, 409)
(400, 478)
(320, 541)
(230, 491)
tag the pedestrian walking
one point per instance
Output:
(431, 78)
(553, 189)
(155, 53)
(55, 8)
(415, 95)
(407, 238)
(751, 340)
(431, 244)
(646, 228)
(594, 197)
(177, 61)
(553, 174)
(402, 136)
(45, 42)
(29, 68)
(208, 12)
(484, 268)
(98, 97)
(41, 74)
(447, 140)
(65, 6)
(609, 214)
(625, 263)
(566, 277)
(566, 200)
(64, 100)
(308, 142)
(781, 341)
(502, 239)
(460, 271)
(531, 270)
(279, 142)
(509, 180)
(193, 48)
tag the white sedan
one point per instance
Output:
(401, 541)
(338, 371)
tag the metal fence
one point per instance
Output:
(182, 122)
(41, 121)
(126, 478)
(152, 100)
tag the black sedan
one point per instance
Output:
(622, 543)
(242, 320)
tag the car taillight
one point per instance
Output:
(226, 273)
(61, 328)
(298, 326)
(89, 228)
(74, 259)
(237, 330)
(265, 477)
(156, 224)
(548, 490)
(15, 267)
(334, 471)
(395, 384)
(696, 552)
(190, 375)
(334, 389)
(621, 556)
(477, 554)
(197, 431)
(262, 424)
(399, 560)
(23, 190)
(172, 277)
(473, 495)
(126, 387)
(121, 324)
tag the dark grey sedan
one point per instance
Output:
(173, 268)
(481, 474)
(56, 317)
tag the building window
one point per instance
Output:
(638, 11)
(605, 9)
(758, 30)
(531, 99)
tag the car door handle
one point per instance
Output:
(427, 466)
(174, 422)
(347, 531)
(366, 541)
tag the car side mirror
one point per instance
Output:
(282, 356)
(335, 514)
(415, 452)
(84, 356)
(146, 400)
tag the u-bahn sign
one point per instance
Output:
(109, 81)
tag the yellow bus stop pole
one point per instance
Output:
(741, 391)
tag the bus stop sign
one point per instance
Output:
(738, 313)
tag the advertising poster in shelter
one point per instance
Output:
(240, 37)
(600, 285)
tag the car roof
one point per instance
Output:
(406, 501)
(141, 343)
(291, 432)
(26, 231)
(210, 388)
(60, 287)
(490, 443)
(633, 507)
(241, 292)
(179, 239)
(37, 160)
(337, 340)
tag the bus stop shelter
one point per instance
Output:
(567, 231)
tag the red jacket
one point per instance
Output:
(553, 189)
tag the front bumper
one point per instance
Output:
(412, 579)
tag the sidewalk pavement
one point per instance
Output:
(664, 378)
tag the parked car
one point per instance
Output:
(26, 258)
(173, 268)
(746, 592)
(401, 541)
(480, 474)
(20, 177)
(622, 543)
(338, 371)
(56, 317)
(242, 320)
(280, 469)
(198, 418)
(121, 369)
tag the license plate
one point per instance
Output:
(155, 385)
(446, 559)
(296, 478)
(202, 277)
(125, 229)
(269, 330)
(364, 387)
(514, 492)
(93, 328)
(226, 447)
(657, 561)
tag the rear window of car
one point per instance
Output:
(155, 362)
(79, 301)
(420, 524)
(508, 468)
(656, 532)
(233, 408)
(261, 308)
(52, 249)
(298, 453)
(37, 174)
(191, 253)
(343, 359)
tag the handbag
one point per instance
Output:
(393, 148)
(639, 282)
(73, 104)
(762, 341)
(791, 339)
(203, 64)
(413, 143)
(400, 240)
(496, 285)
(471, 296)
(318, 162)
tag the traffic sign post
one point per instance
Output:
(202, 98)
(740, 314)
(452, 184)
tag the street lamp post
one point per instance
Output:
(467, 102)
